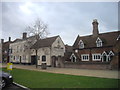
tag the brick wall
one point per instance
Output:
(87, 65)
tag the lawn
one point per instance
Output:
(36, 79)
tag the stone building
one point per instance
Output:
(49, 50)
(20, 49)
(96, 51)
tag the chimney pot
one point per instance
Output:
(9, 39)
(95, 27)
(24, 35)
(2, 41)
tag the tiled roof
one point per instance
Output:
(108, 39)
(44, 42)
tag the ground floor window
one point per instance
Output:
(85, 57)
(104, 57)
(73, 58)
(96, 57)
(43, 58)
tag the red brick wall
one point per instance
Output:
(87, 66)
(94, 51)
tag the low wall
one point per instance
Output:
(87, 65)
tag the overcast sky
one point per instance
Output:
(65, 19)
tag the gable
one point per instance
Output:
(58, 43)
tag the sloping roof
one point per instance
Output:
(18, 39)
(68, 48)
(44, 42)
(108, 39)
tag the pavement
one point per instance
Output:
(80, 72)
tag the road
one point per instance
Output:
(13, 87)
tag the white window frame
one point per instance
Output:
(81, 44)
(110, 54)
(118, 37)
(73, 55)
(83, 57)
(99, 42)
(95, 57)
(106, 56)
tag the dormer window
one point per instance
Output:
(81, 44)
(73, 58)
(99, 42)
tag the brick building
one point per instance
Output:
(96, 51)
(4, 50)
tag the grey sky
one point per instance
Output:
(65, 19)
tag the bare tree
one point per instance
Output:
(40, 30)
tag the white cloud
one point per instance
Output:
(64, 19)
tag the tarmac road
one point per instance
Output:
(13, 87)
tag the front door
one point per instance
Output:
(33, 60)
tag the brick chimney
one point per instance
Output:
(24, 35)
(95, 27)
(9, 39)
(2, 41)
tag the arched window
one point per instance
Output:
(99, 42)
(81, 44)
(104, 57)
(110, 55)
(73, 58)
(43, 58)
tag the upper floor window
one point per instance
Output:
(99, 42)
(81, 44)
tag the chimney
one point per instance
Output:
(95, 27)
(24, 35)
(9, 39)
(2, 41)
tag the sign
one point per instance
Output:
(9, 66)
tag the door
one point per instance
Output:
(33, 60)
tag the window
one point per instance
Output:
(110, 55)
(104, 57)
(118, 37)
(81, 44)
(85, 57)
(99, 42)
(14, 57)
(96, 57)
(73, 58)
(43, 58)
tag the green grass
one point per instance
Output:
(35, 79)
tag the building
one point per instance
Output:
(4, 50)
(0, 51)
(96, 51)
(49, 50)
(20, 49)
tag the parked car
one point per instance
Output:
(5, 79)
